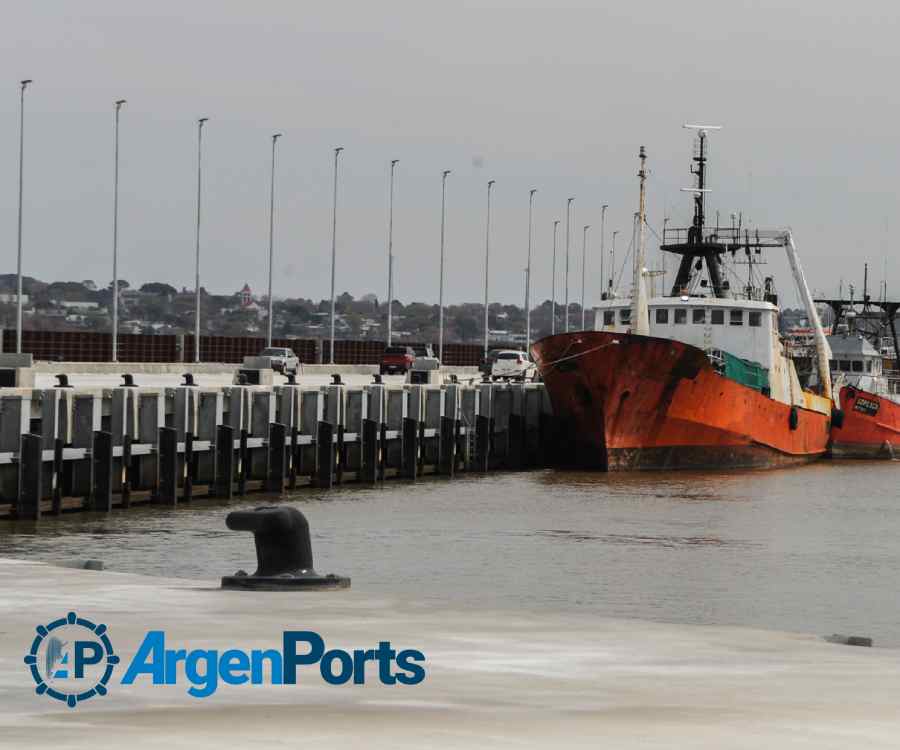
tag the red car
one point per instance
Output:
(397, 359)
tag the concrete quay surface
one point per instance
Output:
(495, 679)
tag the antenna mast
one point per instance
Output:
(640, 314)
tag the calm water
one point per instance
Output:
(814, 549)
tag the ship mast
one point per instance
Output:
(640, 314)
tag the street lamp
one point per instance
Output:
(612, 264)
(602, 253)
(337, 153)
(275, 137)
(441, 282)
(568, 232)
(197, 261)
(394, 163)
(528, 270)
(583, 273)
(487, 261)
(23, 85)
(115, 300)
(553, 283)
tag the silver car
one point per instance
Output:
(283, 360)
(510, 364)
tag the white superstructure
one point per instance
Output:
(744, 328)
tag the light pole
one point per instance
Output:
(337, 153)
(197, 259)
(583, 272)
(568, 233)
(115, 300)
(612, 264)
(528, 270)
(23, 85)
(275, 137)
(602, 249)
(441, 282)
(487, 262)
(394, 163)
(553, 284)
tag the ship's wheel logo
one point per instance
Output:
(71, 659)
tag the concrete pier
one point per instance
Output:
(68, 448)
(494, 678)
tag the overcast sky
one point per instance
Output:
(530, 95)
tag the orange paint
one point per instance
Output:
(639, 402)
(871, 427)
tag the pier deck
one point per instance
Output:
(495, 679)
(83, 448)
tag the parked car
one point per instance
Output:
(512, 365)
(487, 364)
(283, 360)
(397, 359)
(425, 353)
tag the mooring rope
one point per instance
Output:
(579, 354)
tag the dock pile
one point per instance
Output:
(94, 449)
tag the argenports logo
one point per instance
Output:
(71, 659)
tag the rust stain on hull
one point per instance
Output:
(638, 402)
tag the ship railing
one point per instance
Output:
(727, 235)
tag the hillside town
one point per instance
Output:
(159, 308)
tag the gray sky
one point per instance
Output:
(531, 95)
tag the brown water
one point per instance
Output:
(814, 549)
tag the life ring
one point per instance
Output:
(794, 418)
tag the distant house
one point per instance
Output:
(83, 305)
(10, 298)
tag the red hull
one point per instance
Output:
(871, 427)
(637, 402)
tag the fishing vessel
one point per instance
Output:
(698, 377)
(867, 394)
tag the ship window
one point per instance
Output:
(680, 316)
(857, 365)
(736, 318)
(754, 318)
(868, 365)
(609, 317)
(844, 365)
(832, 364)
(625, 316)
(717, 317)
(699, 315)
(662, 315)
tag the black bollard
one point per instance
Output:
(128, 380)
(63, 381)
(283, 552)
(188, 379)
